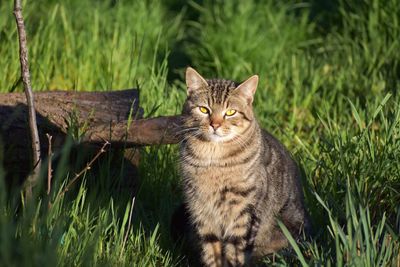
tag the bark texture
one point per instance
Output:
(93, 116)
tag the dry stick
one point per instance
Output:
(88, 166)
(23, 56)
(49, 169)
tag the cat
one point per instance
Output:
(237, 178)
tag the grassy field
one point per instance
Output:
(330, 75)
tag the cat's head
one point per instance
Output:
(218, 110)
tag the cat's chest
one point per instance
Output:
(207, 167)
(211, 184)
(214, 178)
(211, 198)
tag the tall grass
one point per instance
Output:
(329, 94)
(88, 45)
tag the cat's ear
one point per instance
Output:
(248, 88)
(194, 81)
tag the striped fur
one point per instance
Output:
(237, 178)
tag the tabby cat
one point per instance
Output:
(237, 178)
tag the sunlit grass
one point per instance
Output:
(88, 45)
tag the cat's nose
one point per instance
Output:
(215, 125)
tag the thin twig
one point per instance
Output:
(129, 227)
(23, 57)
(49, 169)
(88, 166)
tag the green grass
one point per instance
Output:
(328, 90)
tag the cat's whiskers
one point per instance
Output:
(240, 141)
(187, 127)
(187, 136)
(186, 130)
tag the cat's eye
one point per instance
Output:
(204, 110)
(230, 112)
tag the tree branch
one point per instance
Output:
(23, 54)
(88, 167)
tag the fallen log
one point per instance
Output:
(90, 117)
(60, 107)
(100, 115)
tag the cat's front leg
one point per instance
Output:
(238, 248)
(237, 253)
(211, 252)
(239, 234)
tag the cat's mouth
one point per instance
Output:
(218, 137)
